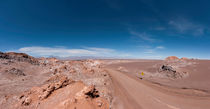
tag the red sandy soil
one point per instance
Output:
(48, 83)
(155, 91)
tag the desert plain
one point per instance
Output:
(27, 82)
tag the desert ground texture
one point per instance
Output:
(27, 82)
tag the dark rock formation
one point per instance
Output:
(170, 72)
(167, 68)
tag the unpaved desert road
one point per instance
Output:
(133, 94)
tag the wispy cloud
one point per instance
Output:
(149, 51)
(154, 57)
(143, 36)
(65, 52)
(160, 47)
(60, 51)
(184, 26)
(107, 50)
(153, 50)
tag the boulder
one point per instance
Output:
(167, 68)
(87, 92)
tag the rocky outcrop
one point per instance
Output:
(87, 91)
(174, 58)
(19, 57)
(167, 68)
(57, 82)
(171, 58)
(170, 72)
(47, 85)
(65, 93)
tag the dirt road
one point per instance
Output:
(133, 94)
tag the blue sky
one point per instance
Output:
(107, 28)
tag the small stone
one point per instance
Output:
(99, 103)
(27, 101)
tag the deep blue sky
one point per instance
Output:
(111, 28)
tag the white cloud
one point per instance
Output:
(149, 51)
(61, 51)
(100, 49)
(160, 47)
(143, 36)
(184, 26)
(153, 50)
(39, 51)
(65, 52)
(154, 57)
(144, 46)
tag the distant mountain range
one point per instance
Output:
(82, 57)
